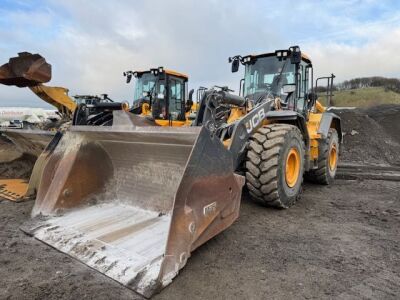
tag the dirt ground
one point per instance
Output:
(339, 242)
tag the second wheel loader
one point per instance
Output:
(162, 95)
(134, 199)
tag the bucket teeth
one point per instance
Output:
(13, 189)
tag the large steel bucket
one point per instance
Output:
(36, 145)
(134, 202)
(25, 70)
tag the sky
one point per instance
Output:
(91, 43)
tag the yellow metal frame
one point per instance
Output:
(55, 96)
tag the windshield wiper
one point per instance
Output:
(280, 75)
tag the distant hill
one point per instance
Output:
(365, 97)
(365, 91)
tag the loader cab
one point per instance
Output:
(283, 74)
(160, 94)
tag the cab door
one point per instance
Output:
(176, 103)
(303, 87)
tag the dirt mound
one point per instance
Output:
(4, 140)
(368, 141)
(18, 168)
(388, 116)
(13, 164)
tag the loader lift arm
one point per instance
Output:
(57, 97)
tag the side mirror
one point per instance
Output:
(288, 88)
(191, 94)
(128, 77)
(235, 65)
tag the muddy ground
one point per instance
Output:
(339, 242)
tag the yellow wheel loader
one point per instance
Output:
(288, 132)
(32, 71)
(161, 95)
(159, 98)
(134, 199)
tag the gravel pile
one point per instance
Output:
(371, 136)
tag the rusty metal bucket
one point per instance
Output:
(134, 202)
(37, 144)
(25, 70)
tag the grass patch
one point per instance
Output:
(365, 97)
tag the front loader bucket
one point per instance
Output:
(133, 203)
(35, 145)
(25, 70)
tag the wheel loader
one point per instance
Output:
(29, 70)
(32, 71)
(161, 95)
(134, 199)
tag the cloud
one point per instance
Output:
(90, 44)
(376, 58)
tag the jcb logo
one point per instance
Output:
(255, 120)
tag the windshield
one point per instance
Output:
(262, 77)
(143, 85)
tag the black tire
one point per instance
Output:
(266, 164)
(324, 174)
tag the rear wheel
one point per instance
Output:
(327, 160)
(275, 165)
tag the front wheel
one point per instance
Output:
(275, 165)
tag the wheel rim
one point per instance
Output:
(333, 158)
(292, 167)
